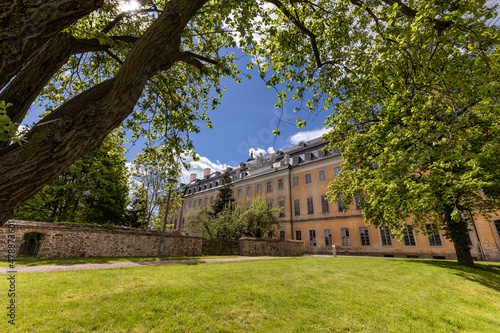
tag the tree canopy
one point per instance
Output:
(94, 190)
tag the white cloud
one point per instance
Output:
(270, 150)
(198, 167)
(307, 135)
(256, 151)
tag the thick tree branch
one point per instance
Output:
(194, 59)
(24, 89)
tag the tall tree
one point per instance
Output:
(413, 90)
(92, 190)
(151, 172)
(225, 199)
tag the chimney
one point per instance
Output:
(206, 172)
(193, 177)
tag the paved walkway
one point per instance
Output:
(77, 267)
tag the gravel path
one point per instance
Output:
(76, 267)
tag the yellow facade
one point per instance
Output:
(296, 181)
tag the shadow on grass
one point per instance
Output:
(485, 273)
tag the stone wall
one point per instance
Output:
(70, 241)
(270, 247)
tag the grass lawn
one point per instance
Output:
(342, 294)
(32, 261)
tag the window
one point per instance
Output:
(312, 237)
(364, 236)
(385, 236)
(308, 156)
(295, 160)
(295, 181)
(210, 185)
(232, 195)
(324, 205)
(281, 206)
(206, 201)
(258, 189)
(281, 184)
(328, 237)
(205, 186)
(269, 186)
(217, 183)
(335, 150)
(298, 234)
(409, 236)
(296, 207)
(346, 236)
(199, 203)
(336, 171)
(310, 206)
(308, 178)
(249, 190)
(282, 234)
(240, 193)
(322, 175)
(212, 199)
(433, 234)
(497, 226)
(242, 175)
(190, 204)
(359, 202)
(270, 205)
(194, 203)
(340, 203)
(321, 153)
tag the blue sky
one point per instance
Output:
(245, 120)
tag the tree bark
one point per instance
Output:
(27, 25)
(81, 124)
(458, 233)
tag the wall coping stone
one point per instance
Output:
(57, 226)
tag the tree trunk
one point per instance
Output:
(459, 235)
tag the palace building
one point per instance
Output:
(296, 180)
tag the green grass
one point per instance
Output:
(32, 261)
(344, 294)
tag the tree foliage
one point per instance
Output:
(151, 172)
(225, 198)
(413, 92)
(94, 190)
(232, 223)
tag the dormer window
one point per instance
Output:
(295, 160)
(335, 150)
(308, 156)
(321, 153)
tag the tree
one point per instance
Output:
(232, 223)
(151, 172)
(225, 198)
(91, 65)
(413, 92)
(92, 190)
